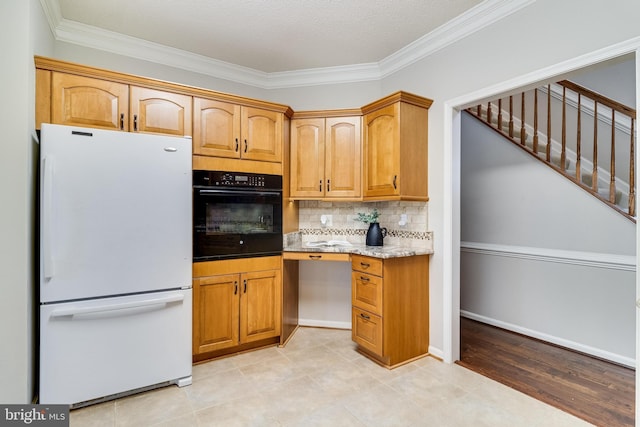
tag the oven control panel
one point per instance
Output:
(236, 180)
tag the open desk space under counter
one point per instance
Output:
(389, 295)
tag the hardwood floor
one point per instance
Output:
(597, 391)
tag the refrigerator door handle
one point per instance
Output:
(47, 209)
(74, 311)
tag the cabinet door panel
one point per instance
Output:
(154, 111)
(261, 135)
(216, 128)
(260, 305)
(366, 292)
(83, 101)
(307, 158)
(343, 159)
(382, 156)
(366, 330)
(216, 312)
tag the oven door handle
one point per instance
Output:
(236, 192)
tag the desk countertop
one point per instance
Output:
(372, 251)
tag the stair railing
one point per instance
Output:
(507, 129)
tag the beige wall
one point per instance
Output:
(23, 31)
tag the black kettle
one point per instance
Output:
(375, 234)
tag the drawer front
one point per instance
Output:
(366, 292)
(366, 330)
(366, 264)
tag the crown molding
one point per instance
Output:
(476, 18)
(483, 15)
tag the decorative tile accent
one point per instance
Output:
(345, 227)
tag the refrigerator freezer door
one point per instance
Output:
(115, 213)
(98, 348)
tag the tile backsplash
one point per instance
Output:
(345, 227)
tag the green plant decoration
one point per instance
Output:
(368, 217)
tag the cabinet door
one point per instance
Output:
(216, 128)
(307, 158)
(216, 312)
(342, 157)
(260, 305)
(261, 135)
(83, 101)
(382, 152)
(155, 111)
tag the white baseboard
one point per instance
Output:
(436, 352)
(324, 324)
(602, 354)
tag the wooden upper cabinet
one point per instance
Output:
(395, 148)
(307, 158)
(216, 128)
(223, 129)
(261, 132)
(326, 158)
(343, 160)
(155, 111)
(89, 102)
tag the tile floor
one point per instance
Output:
(319, 379)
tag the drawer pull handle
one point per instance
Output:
(365, 316)
(315, 256)
(365, 265)
(364, 279)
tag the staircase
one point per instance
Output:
(571, 129)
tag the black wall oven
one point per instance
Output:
(236, 215)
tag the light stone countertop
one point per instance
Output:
(389, 251)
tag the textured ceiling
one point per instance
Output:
(272, 35)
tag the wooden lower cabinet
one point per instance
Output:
(390, 308)
(236, 303)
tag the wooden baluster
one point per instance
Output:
(563, 153)
(510, 116)
(548, 150)
(489, 112)
(578, 138)
(612, 180)
(523, 132)
(632, 172)
(594, 185)
(500, 114)
(535, 121)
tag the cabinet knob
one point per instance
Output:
(235, 292)
(395, 178)
(122, 121)
(245, 286)
(237, 145)
(328, 185)
(246, 145)
(135, 122)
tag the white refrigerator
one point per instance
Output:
(115, 263)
